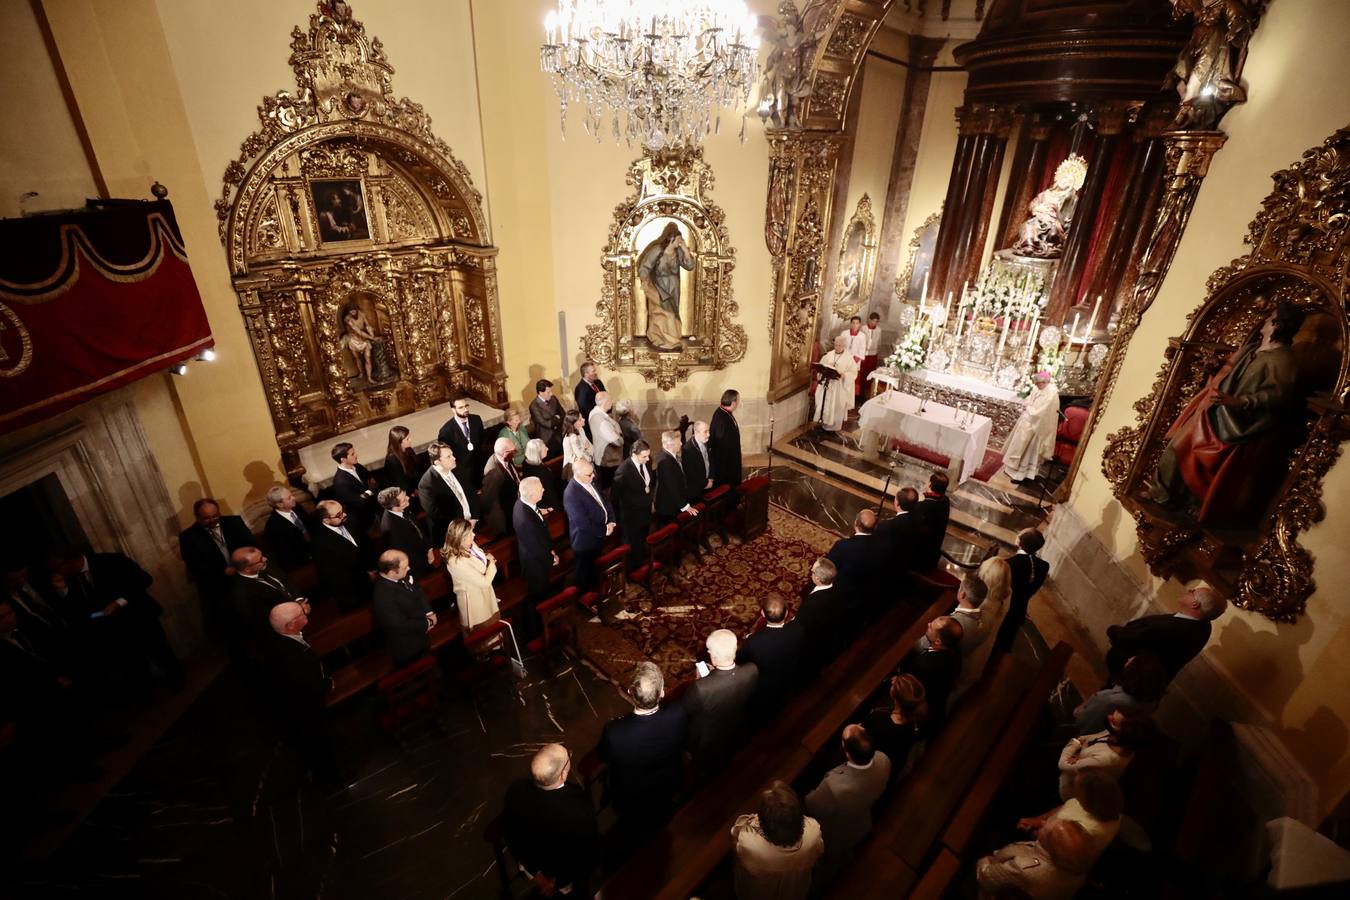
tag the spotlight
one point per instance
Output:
(207, 355)
(179, 369)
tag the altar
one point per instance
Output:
(1000, 405)
(959, 434)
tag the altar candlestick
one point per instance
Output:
(1002, 339)
(923, 301)
(1092, 322)
(1074, 327)
(947, 319)
(1031, 343)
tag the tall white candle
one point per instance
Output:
(1073, 329)
(923, 301)
(1002, 339)
(1031, 343)
(1092, 322)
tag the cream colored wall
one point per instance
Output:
(937, 148)
(1294, 675)
(42, 151)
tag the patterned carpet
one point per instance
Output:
(723, 591)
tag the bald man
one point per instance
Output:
(343, 558)
(501, 487)
(866, 574)
(550, 825)
(255, 590)
(401, 610)
(1175, 639)
(296, 688)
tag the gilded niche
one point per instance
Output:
(1224, 468)
(358, 247)
(666, 307)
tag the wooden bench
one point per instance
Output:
(679, 858)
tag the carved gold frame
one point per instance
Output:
(427, 260)
(867, 263)
(1301, 254)
(915, 242)
(669, 184)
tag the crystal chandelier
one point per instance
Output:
(666, 67)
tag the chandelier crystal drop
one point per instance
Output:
(665, 68)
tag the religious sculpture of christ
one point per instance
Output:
(659, 268)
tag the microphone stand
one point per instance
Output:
(886, 491)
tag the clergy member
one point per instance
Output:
(834, 400)
(857, 348)
(869, 363)
(1032, 441)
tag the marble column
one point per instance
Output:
(894, 243)
(983, 135)
(951, 209)
(1111, 119)
(1023, 178)
(980, 209)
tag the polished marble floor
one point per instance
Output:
(218, 809)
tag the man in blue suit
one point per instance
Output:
(644, 752)
(590, 519)
(863, 563)
(534, 548)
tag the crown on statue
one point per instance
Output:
(1072, 171)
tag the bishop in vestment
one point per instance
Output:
(1032, 441)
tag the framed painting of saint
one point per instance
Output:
(340, 208)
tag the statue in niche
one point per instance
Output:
(1228, 450)
(1205, 74)
(658, 269)
(793, 38)
(368, 348)
(1042, 235)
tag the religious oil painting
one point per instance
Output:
(340, 207)
(664, 283)
(920, 263)
(857, 260)
(368, 356)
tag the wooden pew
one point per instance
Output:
(679, 858)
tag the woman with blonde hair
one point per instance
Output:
(511, 428)
(471, 571)
(895, 728)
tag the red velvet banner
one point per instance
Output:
(89, 301)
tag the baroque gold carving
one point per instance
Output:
(1300, 255)
(857, 261)
(419, 271)
(669, 190)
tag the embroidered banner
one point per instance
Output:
(91, 300)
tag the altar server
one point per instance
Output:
(1032, 441)
(837, 397)
(857, 348)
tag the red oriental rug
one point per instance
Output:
(722, 591)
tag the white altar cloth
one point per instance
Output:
(947, 380)
(955, 434)
(372, 441)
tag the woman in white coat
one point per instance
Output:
(471, 571)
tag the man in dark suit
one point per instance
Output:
(38, 618)
(632, 495)
(864, 567)
(671, 483)
(254, 592)
(937, 665)
(343, 558)
(534, 549)
(501, 487)
(725, 441)
(934, 510)
(297, 687)
(586, 390)
(822, 617)
(463, 432)
(353, 487)
(776, 650)
(1026, 574)
(546, 416)
(697, 460)
(401, 610)
(401, 532)
(444, 495)
(903, 533)
(105, 596)
(590, 519)
(719, 705)
(550, 825)
(644, 752)
(205, 546)
(1175, 639)
(286, 530)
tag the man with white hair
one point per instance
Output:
(670, 481)
(834, 398)
(534, 548)
(501, 486)
(718, 704)
(606, 439)
(286, 530)
(550, 825)
(297, 687)
(644, 752)
(698, 469)
(1175, 639)
(1032, 440)
(590, 519)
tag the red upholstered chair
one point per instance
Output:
(408, 699)
(660, 544)
(718, 501)
(751, 517)
(490, 650)
(691, 533)
(555, 615)
(1069, 433)
(613, 580)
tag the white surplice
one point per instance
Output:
(839, 398)
(1032, 441)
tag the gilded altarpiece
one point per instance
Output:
(358, 247)
(1299, 261)
(666, 307)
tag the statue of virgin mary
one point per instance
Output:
(659, 268)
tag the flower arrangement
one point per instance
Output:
(911, 352)
(1006, 293)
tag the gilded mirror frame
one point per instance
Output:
(853, 282)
